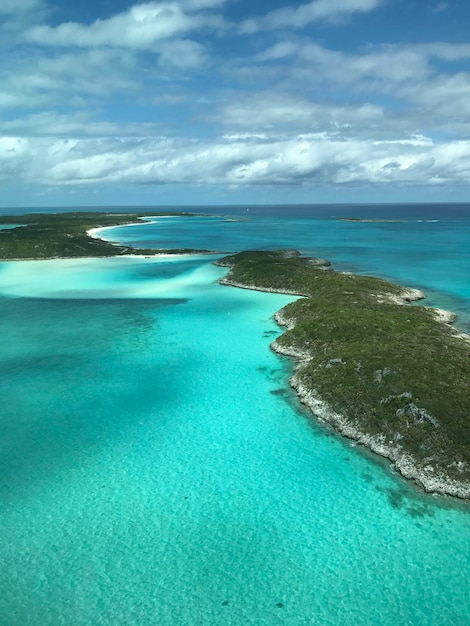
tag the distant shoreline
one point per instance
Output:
(44, 236)
(152, 219)
(373, 220)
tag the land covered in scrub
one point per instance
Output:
(392, 376)
(65, 235)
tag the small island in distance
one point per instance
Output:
(391, 376)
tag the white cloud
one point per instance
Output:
(139, 28)
(308, 159)
(296, 113)
(412, 76)
(74, 78)
(195, 5)
(442, 50)
(15, 7)
(299, 17)
(382, 64)
(446, 96)
(183, 53)
(77, 125)
(280, 113)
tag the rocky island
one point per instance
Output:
(392, 376)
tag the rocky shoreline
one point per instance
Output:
(424, 476)
(231, 283)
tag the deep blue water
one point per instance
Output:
(157, 469)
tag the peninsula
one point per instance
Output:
(69, 235)
(392, 376)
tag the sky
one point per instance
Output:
(187, 102)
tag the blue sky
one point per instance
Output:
(108, 102)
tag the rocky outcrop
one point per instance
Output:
(232, 283)
(425, 476)
(422, 431)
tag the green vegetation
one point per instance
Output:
(390, 370)
(45, 236)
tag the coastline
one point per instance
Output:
(402, 462)
(93, 232)
(424, 476)
(70, 239)
(231, 283)
(147, 219)
(144, 255)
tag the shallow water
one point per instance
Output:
(156, 468)
(426, 247)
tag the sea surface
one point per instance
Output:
(156, 468)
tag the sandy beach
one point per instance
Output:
(96, 232)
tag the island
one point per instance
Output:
(392, 376)
(371, 220)
(70, 235)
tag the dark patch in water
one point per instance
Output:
(225, 603)
(420, 511)
(394, 496)
(278, 392)
(270, 373)
(270, 333)
(399, 499)
(367, 477)
(279, 605)
(49, 363)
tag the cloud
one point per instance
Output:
(299, 17)
(409, 82)
(15, 7)
(139, 28)
(76, 125)
(386, 64)
(447, 97)
(15, 158)
(75, 78)
(280, 113)
(304, 160)
(183, 53)
(195, 5)
(442, 50)
(191, 112)
(440, 8)
(16, 17)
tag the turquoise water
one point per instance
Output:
(156, 468)
(8, 226)
(427, 250)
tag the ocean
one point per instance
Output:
(157, 469)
